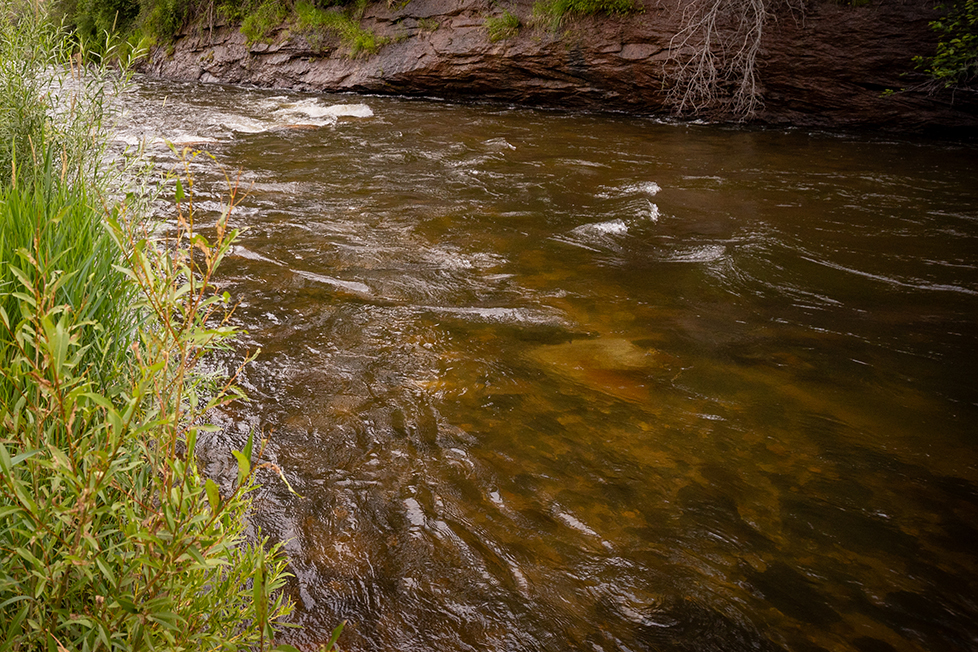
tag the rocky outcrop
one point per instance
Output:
(831, 67)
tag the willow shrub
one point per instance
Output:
(26, 48)
(110, 538)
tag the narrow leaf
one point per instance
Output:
(244, 466)
(335, 637)
(213, 494)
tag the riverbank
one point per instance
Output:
(111, 537)
(834, 66)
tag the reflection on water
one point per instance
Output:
(553, 382)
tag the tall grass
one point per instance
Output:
(504, 26)
(110, 538)
(551, 13)
(159, 21)
(257, 24)
(52, 229)
(315, 23)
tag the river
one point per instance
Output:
(557, 381)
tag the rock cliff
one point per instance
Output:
(830, 65)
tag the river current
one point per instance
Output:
(552, 381)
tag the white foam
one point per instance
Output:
(613, 227)
(189, 139)
(572, 522)
(704, 254)
(648, 187)
(501, 143)
(313, 109)
(349, 286)
(154, 140)
(128, 139)
(414, 513)
(238, 250)
(501, 315)
(653, 212)
(243, 125)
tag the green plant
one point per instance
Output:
(93, 18)
(160, 20)
(257, 24)
(551, 13)
(22, 117)
(315, 23)
(110, 538)
(502, 27)
(57, 222)
(428, 24)
(955, 62)
(29, 46)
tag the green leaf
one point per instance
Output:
(14, 628)
(213, 495)
(26, 554)
(193, 552)
(7, 463)
(17, 459)
(7, 511)
(16, 598)
(249, 444)
(244, 466)
(109, 575)
(334, 637)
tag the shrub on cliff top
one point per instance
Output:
(315, 23)
(257, 23)
(551, 13)
(502, 27)
(955, 62)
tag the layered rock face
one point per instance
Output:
(828, 66)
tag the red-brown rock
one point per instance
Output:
(829, 68)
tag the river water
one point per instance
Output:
(551, 381)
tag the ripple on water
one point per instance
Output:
(736, 413)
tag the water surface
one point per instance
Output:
(551, 381)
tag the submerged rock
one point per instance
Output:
(609, 365)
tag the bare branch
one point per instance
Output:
(713, 66)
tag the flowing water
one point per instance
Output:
(550, 381)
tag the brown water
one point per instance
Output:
(549, 381)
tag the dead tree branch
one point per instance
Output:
(713, 67)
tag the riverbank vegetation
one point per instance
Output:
(159, 21)
(955, 62)
(110, 537)
(501, 27)
(315, 23)
(551, 13)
